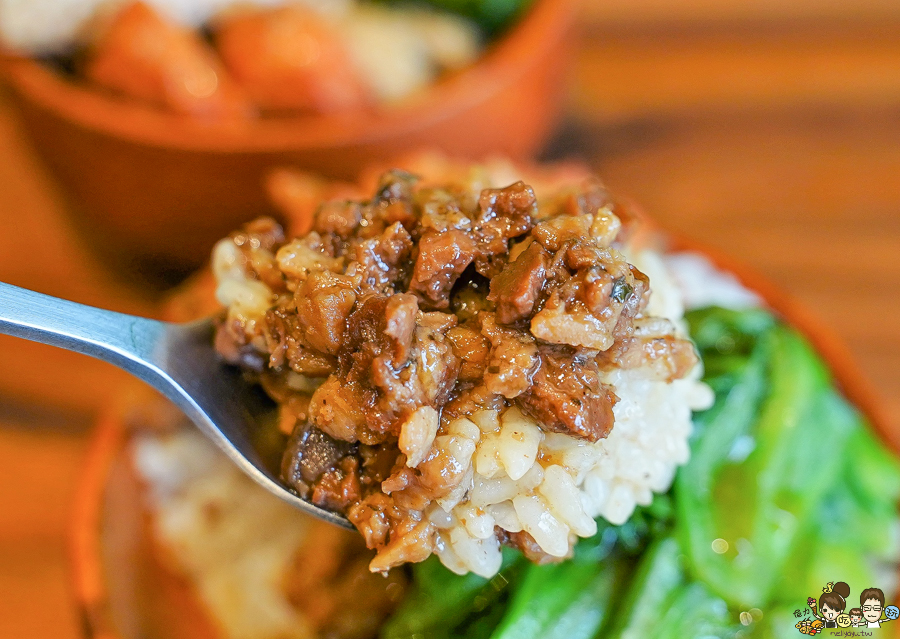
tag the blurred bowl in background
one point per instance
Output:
(120, 584)
(160, 188)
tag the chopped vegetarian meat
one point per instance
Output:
(431, 347)
(568, 396)
(516, 289)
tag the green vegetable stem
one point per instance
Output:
(568, 600)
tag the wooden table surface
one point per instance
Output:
(774, 137)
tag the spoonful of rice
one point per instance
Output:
(178, 360)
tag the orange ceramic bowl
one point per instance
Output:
(123, 589)
(163, 188)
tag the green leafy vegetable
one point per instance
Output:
(440, 600)
(662, 602)
(758, 503)
(573, 595)
(803, 496)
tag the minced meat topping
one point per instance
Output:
(393, 318)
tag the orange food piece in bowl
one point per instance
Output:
(143, 55)
(289, 58)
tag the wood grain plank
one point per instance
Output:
(37, 602)
(40, 250)
(642, 12)
(668, 70)
(810, 198)
(37, 482)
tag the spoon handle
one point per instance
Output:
(124, 340)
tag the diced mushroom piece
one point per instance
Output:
(324, 302)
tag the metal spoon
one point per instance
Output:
(176, 359)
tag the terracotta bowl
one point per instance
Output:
(124, 591)
(163, 188)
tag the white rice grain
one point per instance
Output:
(550, 533)
(518, 444)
